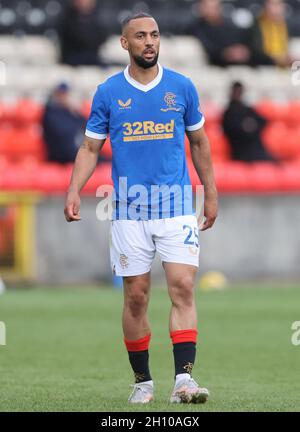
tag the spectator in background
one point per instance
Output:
(242, 126)
(63, 126)
(223, 41)
(269, 38)
(81, 33)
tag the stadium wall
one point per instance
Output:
(255, 237)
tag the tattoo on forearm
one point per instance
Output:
(84, 145)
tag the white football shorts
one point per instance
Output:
(134, 243)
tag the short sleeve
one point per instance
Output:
(193, 118)
(97, 124)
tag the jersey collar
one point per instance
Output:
(144, 87)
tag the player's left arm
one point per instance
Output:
(201, 156)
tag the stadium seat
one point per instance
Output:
(86, 108)
(5, 136)
(14, 178)
(38, 50)
(112, 51)
(175, 50)
(290, 177)
(6, 113)
(87, 79)
(182, 50)
(19, 143)
(292, 145)
(102, 176)
(106, 150)
(49, 178)
(273, 111)
(27, 111)
(219, 144)
(212, 82)
(293, 112)
(233, 177)
(282, 140)
(8, 49)
(212, 112)
(52, 178)
(265, 177)
(274, 137)
(294, 47)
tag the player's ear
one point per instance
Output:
(124, 43)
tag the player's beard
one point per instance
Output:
(143, 63)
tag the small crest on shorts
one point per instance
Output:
(124, 105)
(124, 261)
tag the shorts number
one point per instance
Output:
(192, 231)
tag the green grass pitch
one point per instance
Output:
(65, 350)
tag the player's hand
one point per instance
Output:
(210, 211)
(72, 207)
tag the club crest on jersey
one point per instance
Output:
(124, 105)
(170, 101)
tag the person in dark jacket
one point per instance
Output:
(63, 127)
(242, 126)
(81, 34)
(224, 43)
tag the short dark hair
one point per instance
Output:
(237, 85)
(131, 17)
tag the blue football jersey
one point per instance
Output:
(147, 125)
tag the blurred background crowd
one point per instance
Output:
(242, 56)
(239, 53)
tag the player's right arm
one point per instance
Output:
(84, 166)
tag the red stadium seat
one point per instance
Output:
(27, 111)
(290, 177)
(219, 144)
(86, 108)
(282, 141)
(274, 137)
(102, 176)
(53, 178)
(220, 147)
(5, 134)
(265, 177)
(106, 150)
(21, 142)
(22, 151)
(49, 178)
(6, 113)
(187, 147)
(233, 177)
(212, 113)
(292, 150)
(272, 110)
(294, 113)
